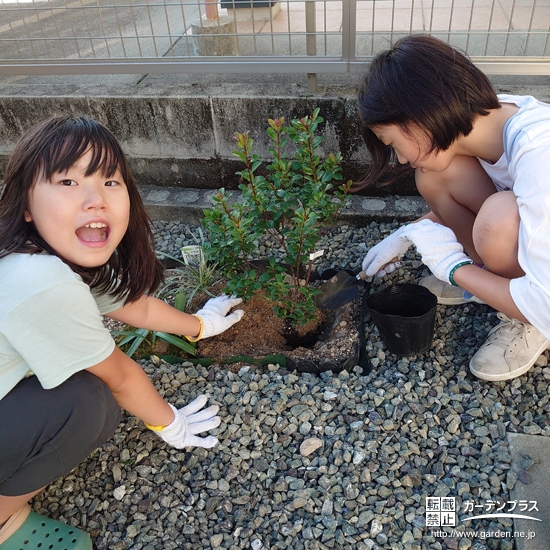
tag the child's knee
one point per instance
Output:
(495, 233)
(498, 219)
(54, 430)
(434, 185)
(428, 184)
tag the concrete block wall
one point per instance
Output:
(180, 137)
(177, 130)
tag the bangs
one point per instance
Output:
(74, 138)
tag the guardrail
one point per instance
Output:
(259, 36)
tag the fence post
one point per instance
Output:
(214, 35)
(211, 9)
(311, 42)
(349, 30)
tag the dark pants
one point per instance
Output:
(44, 434)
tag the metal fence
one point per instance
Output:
(311, 36)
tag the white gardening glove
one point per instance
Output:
(437, 245)
(383, 258)
(214, 315)
(191, 420)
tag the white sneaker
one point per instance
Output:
(447, 294)
(510, 350)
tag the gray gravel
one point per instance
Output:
(413, 428)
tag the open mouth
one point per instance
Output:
(95, 232)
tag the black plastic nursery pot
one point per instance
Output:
(405, 317)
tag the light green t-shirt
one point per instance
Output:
(50, 323)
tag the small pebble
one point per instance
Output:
(310, 445)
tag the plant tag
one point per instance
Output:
(193, 255)
(317, 254)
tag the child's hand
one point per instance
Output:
(214, 315)
(191, 420)
(383, 258)
(437, 245)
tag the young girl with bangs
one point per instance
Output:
(482, 163)
(76, 244)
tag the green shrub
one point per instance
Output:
(291, 204)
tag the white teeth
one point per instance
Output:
(96, 225)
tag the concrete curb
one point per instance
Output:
(187, 205)
(530, 491)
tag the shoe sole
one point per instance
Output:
(39, 531)
(509, 375)
(448, 301)
(458, 301)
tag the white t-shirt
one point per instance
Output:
(50, 323)
(524, 168)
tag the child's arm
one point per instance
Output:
(154, 314)
(134, 392)
(132, 389)
(492, 289)
(445, 258)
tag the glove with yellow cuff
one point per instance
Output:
(214, 318)
(189, 421)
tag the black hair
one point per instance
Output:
(423, 82)
(54, 145)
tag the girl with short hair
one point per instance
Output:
(482, 163)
